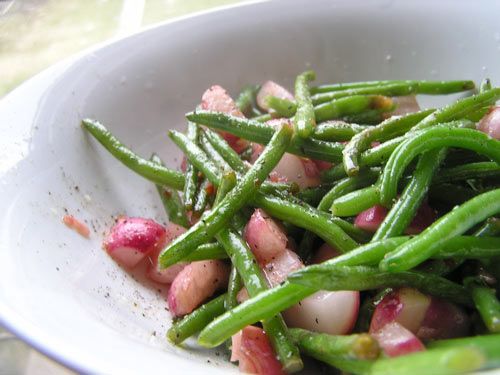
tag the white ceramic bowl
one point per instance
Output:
(59, 291)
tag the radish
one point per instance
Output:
(277, 270)
(271, 88)
(264, 236)
(396, 340)
(131, 239)
(253, 351)
(405, 105)
(490, 124)
(195, 283)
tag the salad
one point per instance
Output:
(341, 222)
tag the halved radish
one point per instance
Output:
(396, 340)
(195, 283)
(217, 99)
(443, 320)
(326, 312)
(253, 351)
(277, 270)
(371, 219)
(271, 88)
(264, 236)
(490, 124)
(131, 239)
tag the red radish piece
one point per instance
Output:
(490, 124)
(396, 340)
(277, 270)
(217, 99)
(324, 253)
(252, 349)
(131, 239)
(81, 228)
(405, 105)
(427, 317)
(334, 313)
(195, 283)
(407, 306)
(264, 236)
(371, 219)
(271, 88)
(323, 165)
(165, 275)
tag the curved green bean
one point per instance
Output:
(351, 105)
(355, 202)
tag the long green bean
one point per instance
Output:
(486, 303)
(191, 184)
(337, 131)
(353, 203)
(304, 120)
(468, 171)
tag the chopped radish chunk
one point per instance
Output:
(252, 349)
(131, 239)
(264, 236)
(195, 283)
(271, 88)
(280, 266)
(407, 306)
(323, 165)
(443, 320)
(165, 275)
(217, 99)
(324, 253)
(334, 313)
(490, 124)
(405, 105)
(371, 219)
(81, 228)
(396, 340)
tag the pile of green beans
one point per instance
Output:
(434, 156)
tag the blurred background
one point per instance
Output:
(35, 34)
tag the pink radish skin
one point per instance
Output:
(406, 306)
(405, 105)
(131, 239)
(253, 351)
(166, 275)
(324, 253)
(490, 124)
(443, 320)
(396, 340)
(264, 236)
(277, 270)
(271, 88)
(371, 219)
(217, 99)
(195, 283)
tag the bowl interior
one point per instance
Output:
(60, 291)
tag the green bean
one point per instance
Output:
(147, 169)
(205, 252)
(405, 208)
(333, 174)
(487, 344)
(351, 230)
(491, 227)
(337, 131)
(304, 121)
(263, 118)
(486, 303)
(219, 216)
(445, 361)
(485, 85)
(388, 129)
(468, 171)
(261, 307)
(246, 101)
(439, 136)
(196, 321)
(355, 202)
(191, 184)
(308, 218)
(459, 109)
(355, 104)
(346, 186)
(201, 199)
(313, 195)
(260, 133)
(171, 200)
(196, 156)
(213, 153)
(233, 287)
(328, 277)
(369, 117)
(222, 147)
(452, 224)
(425, 87)
(283, 107)
(355, 349)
